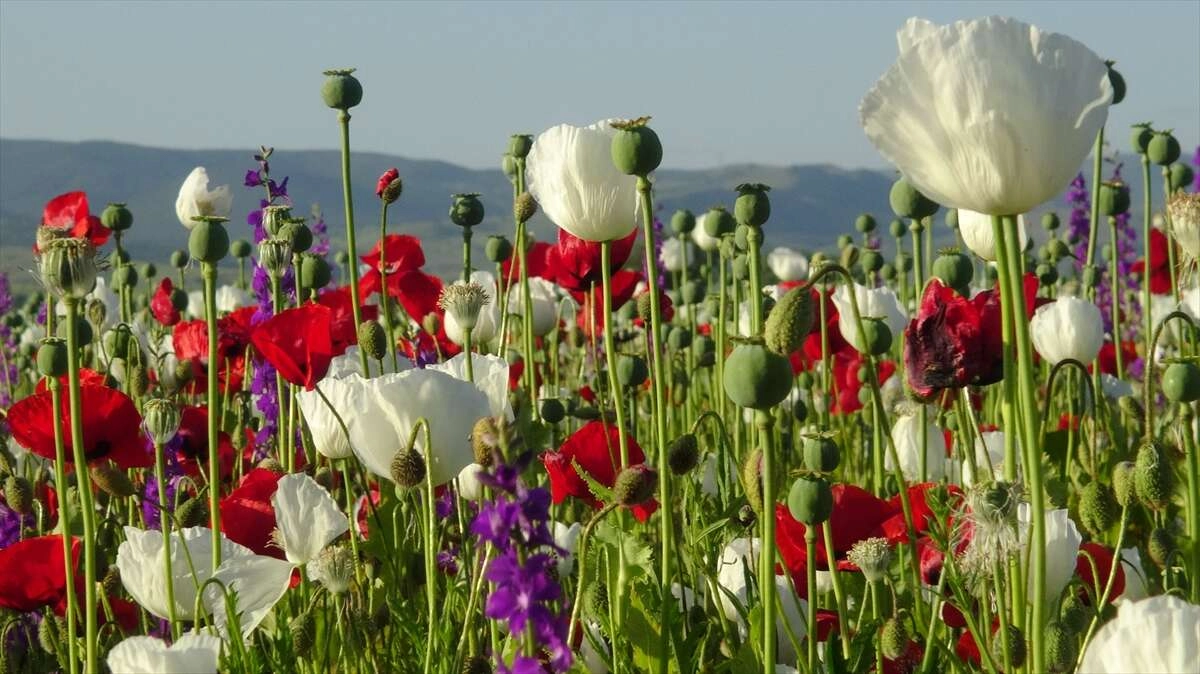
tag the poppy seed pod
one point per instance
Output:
(341, 257)
(1179, 176)
(810, 500)
(179, 259)
(631, 370)
(679, 338)
(274, 217)
(275, 254)
(1139, 137)
(682, 222)
(552, 411)
(372, 340)
(162, 418)
(83, 330)
(870, 260)
(519, 145)
(865, 223)
(877, 336)
(718, 222)
(636, 149)
(821, 452)
(1163, 149)
(694, 291)
(897, 228)
(148, 271)
(954, 268)
(298, 234)
(240, 248)
(635, 485)
(124, 277)
(524, 207)
(790, 321)
(752, 206)
(907, 202)
(683, 454)
(1181, 382)
(341, 90)
(68, 267)
(497, 248)
(52, 357)
(179, 299)
(756, 377)
(116, 217)
(314, 271)
(1114, 198)
(208, 240)
(466, 210)
(1050, 221)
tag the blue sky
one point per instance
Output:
(776, 82)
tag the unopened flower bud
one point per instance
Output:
(790, 321)
(49, 634)
(683, 454)
(636, 149)
(109, 477)
(1097, 509)
(272, 464)
(408, 467)
(1016, 646)
(893, 638)
(192, 512)
(635, 485)
(18, 494)
(1152, 476)
(810, 500)
(1062, 646)
(1123, 483)
(372, 339)
(68, 267)
(466, 210)
(341, 90)
(112, 580)
(1160, 546)
(302, 633)
(497, 248)
(524, 207)
(392, 191)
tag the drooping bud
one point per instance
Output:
(109, 477)
(18, 493)
(341, 90)
(790, 321)
(524, 207)
(1123, 483)
(636, 149)
(893, 638)
(552, 411)
(68, 267)
(1016, 646)
(302, 632)
(408, 467)
(1152, 476)
(751, 472)
(1062, 646)
(1160, 546)
(192, 512)
(466, 210)
(1097, 509)
(683, 454)
(372, 339)
(810, 500)
(635, 485)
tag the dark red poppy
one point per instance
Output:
(953, 342)
(623, 285)
(595, 448)
(247, 515)
(33, 574)
(68, 215)
(86, 376)
(538, 259)
(161, 306)
(400, 252)
(386, 179)
(847, 386)
(112, 427)
(192, 443)
(1094, 554)
(907, 663)
(1160, 263)
(574, 263)
(1107, 358)
(342, 328)
(298, 343)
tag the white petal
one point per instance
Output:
(1159, 635)
(256, 582)
(190, 654)
(307, 517)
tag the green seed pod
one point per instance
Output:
(904, 262)
(897, 228)
(240, 248)
(116, 217)
(208, 241)
(68, 267)
(1098, 509)
(799, 411)
(124, 277)
(552, 411)
(1163, 149)
(870, 260)
(907, 202)
(718, 222)
(162, 418)
(83, 330)
(1062, 645)
(1050, 221)
(635, 485)
(810, 500)
(821, 452)
(849, 256)
(302, 633)
(893, 638)
(682, 222)
(1117, 82)
(844, 241)
(52, 357)
(467, 210)
(519, 145)
(314, 272)
(1161, 546)
(180, 259)
(275, 255)
(741, 268)
(790, 321)
(341, 89)
(118, 258)
(865, 223)
(1152, 477)
(585, 413)
(953, 268)
(497, 248)
(703, 345)
(18, 493)
(1179, 176)
(1181, 382)
(751, 472)
(756, 377)
(508, 164)
(631, 370)
(752, 206)
(1090, 276)
(1114, 198)
(679, 338)
(683, 454)
(887, 272)
(877, 336)
(1047, 274)
(109, 477)
(1123, 483)
(341, 257)
(408, 468)
(372, 340)
(1016, 646)
(636, 149)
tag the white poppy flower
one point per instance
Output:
(256, 582)
(327, 434)
(195, 199)
(1135, 575)
(989, 458)
(737, 563)
(469, 486)
(671, 255)
(491, 377)
(488, 321)
(1184, 212)
(307, 517)
(348, 363)
(573, 179)
(1062, 547)
(190, 654)
(140, 561)
(701, 238)
(231, 298)
(992, 115)
(195, 305)
(1159, 635)
(787, 264)
(872, 303)
(977, 233)
(1068, 327)
(544, 297)
(906, 436)
(567, 538)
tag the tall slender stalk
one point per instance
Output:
(351, 245)
(388, 326)
(209, 272)
(165, 524)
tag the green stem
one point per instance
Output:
(209, 272)
(351, 246)
(610, 350)
(165, 523)
(466, 237)
(766, 570)
(810, 544)
(1147, 318)
(581, 561)
(1094, 219)
(84, 487)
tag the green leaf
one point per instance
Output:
(599, 491)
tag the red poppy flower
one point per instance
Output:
(192, 439)
(364, 510)
(538, 259)
(161, 306)
(595, 448)
(1094, 554)
(847, 387)
(417, 292)
(68, 214)
(1107, 358)
(623, 285)
(804, 358)
(298, 343)
(190, 341)
(953, 342)
(342, 329)
(112, 427)
(895, 529)
(430, 348)
(247, 516)
(32, 573)
(400, 252)
(1160, 263)
(386, 179)
(86, 376)
(908, 662)
(575, 264)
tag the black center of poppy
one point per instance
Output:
(101, 448)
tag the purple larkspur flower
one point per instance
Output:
(521, 665)
(521, 590)
(447, 561)
(443, 505)
(11, 524)
(1079, 226)
(1196, 163)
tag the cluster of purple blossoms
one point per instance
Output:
(1079, 226)
(1196, 163)
(172, 475)
(1127, 254)
(526, 595)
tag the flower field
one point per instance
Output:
(652, 443)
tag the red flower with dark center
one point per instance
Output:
(595, 449)
(33, 573)
(400, 252)
(192, 439)
(342, 329)
(112, 427)
(386, 179)
(574, 263)
(298, 343)
(161, 306)
(68, 215)
(417, 292)
(1160, 263)
(1094, 554)
(247, 516)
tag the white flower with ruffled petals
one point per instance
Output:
(879, 303)
(190, 654)
(1069, 328)
(1159, 635)
(195, 199)
(306, 516)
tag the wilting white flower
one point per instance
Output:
(190, 654)
(1062, 546)
(1184, 212)
(872, 303)
(307, 517)
(977, 234)
(992, 115)
(1068, 327)
(487, 316)
(787, 264)
(491, 377)
(567, 538)
(701, 238)
(906, 436)
(140, 561)
(195, 199)
(736, 564)
(671, 254)
(573, 179)
(1159, 635)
